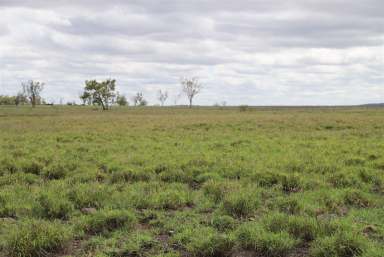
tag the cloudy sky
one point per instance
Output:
(276, 52)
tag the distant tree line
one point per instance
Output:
(30, 94)
(101, 93)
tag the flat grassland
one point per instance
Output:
(294, 182)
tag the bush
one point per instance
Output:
(303, 228)
(367, 176)
(88, 195)
(203, 241)
(201, 178)
(136, 244)
(129, 176)
(6, 209)
(35, 238)
(341, 180)
(243, 108)
(357, 199)
(241, 204)
(175, 176)
(291, 183)
(56, 171)
(53, 206)
(217, 189)
(223, 222)
(266, 179)
(32, 167)
(104, 221)
(342, 244)
(288, 205)
(251, 236)
(172, 198)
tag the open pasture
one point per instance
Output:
(75, 181)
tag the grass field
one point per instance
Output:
(294, 182)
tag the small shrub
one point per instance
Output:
(9, 165)
(251, 236)
(289, 206)
(354, 162)
(177, 175)
(203, 241)
(53, 206)
(342, 244)
(57, 170)
(129, 176)
(136, 244)
(341, 180)
(217, 189)
(19, 178)
(33, 167)
(88, 195)
(333, 203)
(161, 168)
(266, 179)
(291, 183)
(241, 204)
(36, 238)
(367, 176)
(303, 228)
(243, 108)
(172, 198)
(6, 209)
(208, 176)
(357, 199)
(107, 220)
(223, 222)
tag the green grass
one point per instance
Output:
(175, 182)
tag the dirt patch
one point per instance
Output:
(244, 254)
(74, 248)
(300, 252)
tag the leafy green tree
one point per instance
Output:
(7, 100)
(121, 100)
(101, 93)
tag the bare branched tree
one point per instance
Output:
(162, 96)
(191, 87)
(32, 90)
(21, 98)
(138, 99)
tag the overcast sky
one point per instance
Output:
(275, 52)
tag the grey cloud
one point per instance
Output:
(246, 51)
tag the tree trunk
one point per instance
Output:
(190, 102)
(33, 101)
(102, 105)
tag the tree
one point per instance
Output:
(7, 100)
(121, 100)
(86, 98)
(101, 93)
(191, 87)
(21, 98)
(162, 96)
(32, 90)
(138, 99)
